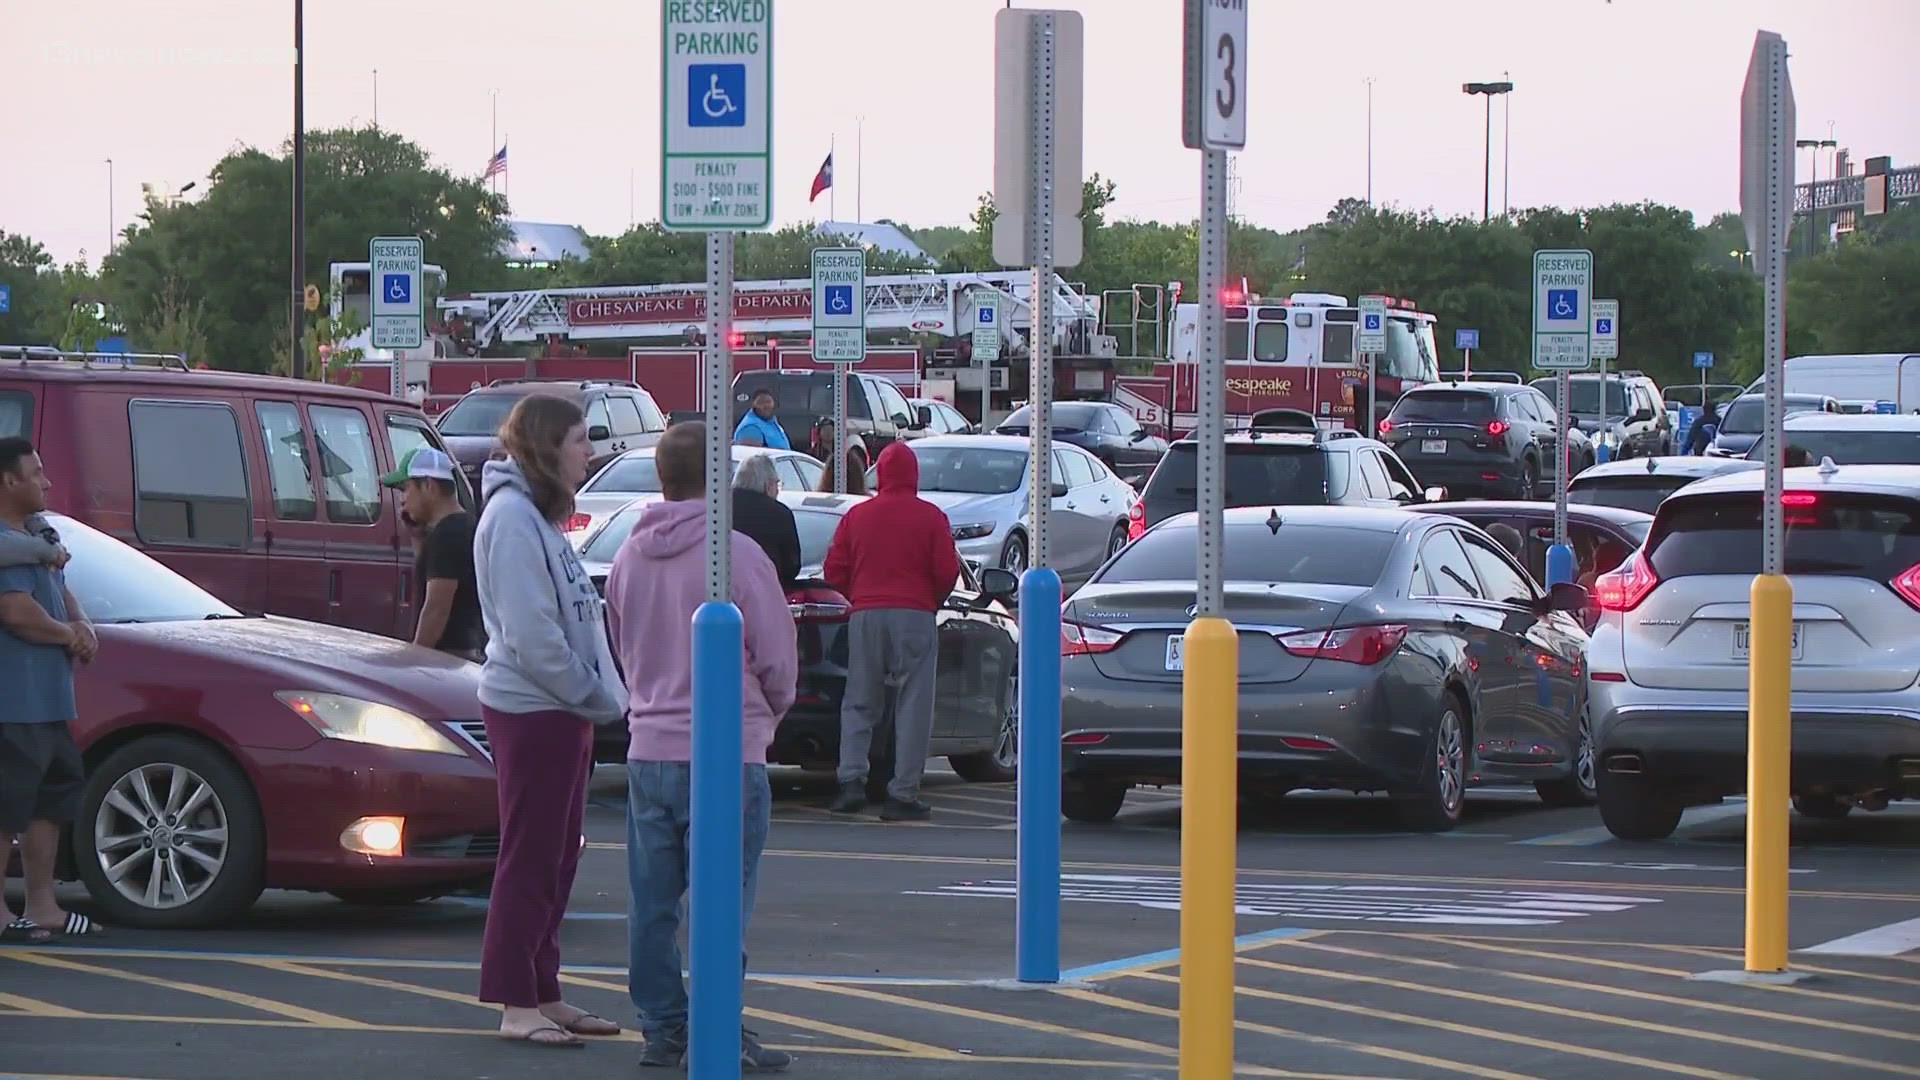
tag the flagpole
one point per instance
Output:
(832, 214)
(493, 142)
(506, 174)
(859, 164)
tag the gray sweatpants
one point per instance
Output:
(891, 657)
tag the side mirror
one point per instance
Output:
(923, 415)
(998, 584)
(1140, 435)
(599, 433)
(1060, 489)
(1643, 416)
(902, 420)
(1565, 596)
(1436, 494)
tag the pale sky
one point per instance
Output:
(1621, 101)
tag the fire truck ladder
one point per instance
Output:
(1129, 311)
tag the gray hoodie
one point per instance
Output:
(546, 632)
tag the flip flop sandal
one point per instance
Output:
(530, 1038)
(79, 925)
(589, 1024)
(24, 932)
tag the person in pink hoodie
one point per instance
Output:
(659, 578)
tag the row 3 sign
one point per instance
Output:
(716, 131)
(1562, 315)
(1216, 75)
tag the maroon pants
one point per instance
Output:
(542, 761)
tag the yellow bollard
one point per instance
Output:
(1209, 820)
(1769, 766)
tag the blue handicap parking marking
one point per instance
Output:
(717, 95)
(986, 316)
(1603, 326)
(1373, 321)
(1563, 304)
(6, 299)
(396, 288)
(839, 299)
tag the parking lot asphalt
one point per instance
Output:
(1527, 943)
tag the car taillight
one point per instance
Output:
(818, 606)
(1136, 520)
(1622, 588)
(1350, 645)
(1386, 427)
(1079, 640)
(1498, 428)
(579, 522)
(1908, 585)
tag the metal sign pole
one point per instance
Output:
(841, 373)
(1562, 388)
(719, 379)
(1210, 431)
(1368, 430)
(1040, 301)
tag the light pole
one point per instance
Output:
(297, 312)
(1813, 209)
(110, 223)
(1369, 81)
(1490, 89)
(1506, 148)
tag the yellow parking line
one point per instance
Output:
(1467, 1029)
(1324, 875)
(291, 968)
(33, 1007)
(1642, 995)
(1117, 1041)
(1797, 966)
(1580, 942)
(1174, 960)
(1408, 1056)
(906, 1047)
(415, 1029)
(231, 997)
(1619, 965)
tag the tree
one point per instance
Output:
(231, 248)
(1862, 295)
(327, 359)
(175, 325)
(34, 313)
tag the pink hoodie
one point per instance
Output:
(658, 579)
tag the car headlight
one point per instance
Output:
(973, 531)
(336, 716)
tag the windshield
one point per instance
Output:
(1067, 416)
(1859, 447)
(1256, 476)
(968, 471)
(1869, 536)
(1444, 407)
(1583, 396)
(1296, 554)
(1642, 493)
(1748, 415)
(478, 415)
(117, 584)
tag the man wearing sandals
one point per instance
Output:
(42, 632)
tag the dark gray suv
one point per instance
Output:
(1482, 438)
(1630, 417)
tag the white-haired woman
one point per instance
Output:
(763, 518)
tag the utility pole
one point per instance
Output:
(1369, 81)
(298, 311)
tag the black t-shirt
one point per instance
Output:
(447, 554)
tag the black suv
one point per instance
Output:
(1633, 420)
(1484, 438)
(878, 414)
(1102, 429)
(1326, 468)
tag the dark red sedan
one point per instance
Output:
(227, 754)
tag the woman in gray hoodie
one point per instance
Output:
(548, 679)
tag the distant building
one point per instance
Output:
(537, 243)
(888, 238)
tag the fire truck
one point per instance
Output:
(1291, 353)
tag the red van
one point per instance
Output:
(264, 491)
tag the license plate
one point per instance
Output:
(1433, 446)
(1743, 641)
(1176, 653)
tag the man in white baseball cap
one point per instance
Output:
(443, 561)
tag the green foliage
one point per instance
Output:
(1863, 294)
(321, 341)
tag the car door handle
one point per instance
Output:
(333, 586)
(1106, 498)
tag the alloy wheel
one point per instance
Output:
(1450, 761)
(1006, 742)
(161, 835)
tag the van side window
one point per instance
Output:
(285, 437)
(16, 414)
(190, 474)
(406, 434)
(349, 472)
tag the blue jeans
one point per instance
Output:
(659, 817)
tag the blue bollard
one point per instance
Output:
(1560, 564)
(715, 844)
(1037, 914)
(1602, 453)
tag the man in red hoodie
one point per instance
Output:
(894, 560)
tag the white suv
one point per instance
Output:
(1667, 664)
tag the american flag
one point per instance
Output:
(497, 165)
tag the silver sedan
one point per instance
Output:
(981, 483)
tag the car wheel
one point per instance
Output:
(1002, 763)
(1013, 557)
(1634, 808)
(1093, 801)
(1436, 803)
(1117, 542)
(1529, 483)
(1821, 807)
(397, 896)
(1576, 788)
(170, 835)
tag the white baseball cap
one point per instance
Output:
(421, 463)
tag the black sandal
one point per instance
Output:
(24, 932)
(79, 925)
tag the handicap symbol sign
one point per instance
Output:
(716, 95)
(1603, 326)
(1373, 321)
(6, 299)
(396, 288)
(986, 316)
(1563, 304)
(839, 299)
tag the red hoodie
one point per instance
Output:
(894, 551)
